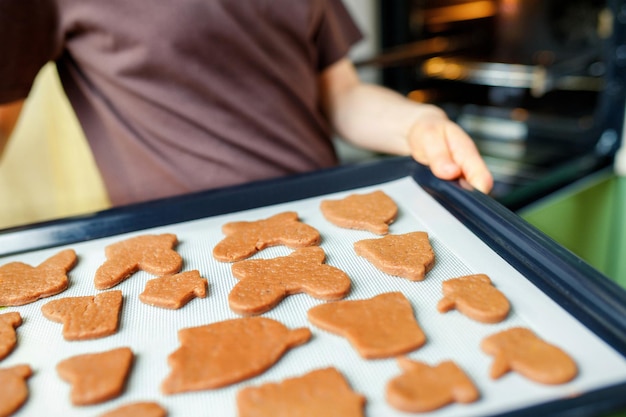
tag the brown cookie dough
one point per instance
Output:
(226, 352)
(8, 339)
(96, 377)
(519, 349)
(138, 409)
(380, 327)
(22, 284)
(154, 254)
(174, 291)
(421, 387)
(88, 317)
(14, 390)
(323, 392)
(408, 255)
(245, 238)
(264, 283)
(373, 212)
(476, 297)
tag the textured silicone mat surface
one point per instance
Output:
(151, 332)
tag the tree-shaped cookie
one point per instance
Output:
(154, 254)
(264, 283)
(373, 212)
(408, 255)
(519, 349)
(13, 388)
(380, 327)
(96, 377)
(226, 352)
(21, 283)
(8, 339)
(322, 392)
(422, 388)
(174, 291)
(475, 297)
(245, 238)
(88, 317)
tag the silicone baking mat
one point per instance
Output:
(151, 332)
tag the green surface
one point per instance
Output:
(589, 219)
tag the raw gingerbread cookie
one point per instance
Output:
(174, 291)
(226, 352)
(372, 212)
(14, 391)
(380, 327)
(265, 282)
(138, 409)
(96, 377)
(408, 255)
(8, 339)
(476, 297)
(88, 317)
(22, 284)
(244, 239)
(421, 387)
(154, 254)
(519, 349)
(323, 392)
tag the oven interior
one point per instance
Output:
(538, 84)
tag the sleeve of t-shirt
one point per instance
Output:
(27, 36)
(336, 34)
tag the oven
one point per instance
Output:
(539, 84)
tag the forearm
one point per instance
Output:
(379, 119)
(382, 120)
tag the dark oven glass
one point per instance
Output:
(537, 83)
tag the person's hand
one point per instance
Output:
(450, 153)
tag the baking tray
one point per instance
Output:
(553, 292)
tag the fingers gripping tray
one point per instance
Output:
(552, 293)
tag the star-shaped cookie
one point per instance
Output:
(245, 238)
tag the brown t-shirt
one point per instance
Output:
(177, 96)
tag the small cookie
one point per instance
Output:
(380, 327)
(96, 377)
(421, 387)
(323, 392)
(174, 291)
(8, 338)
(22, 284)
(264, 283)
(520, 350)
(373, 212)
(475, 297)
(226, 352)
(154, 254)
(408, 255)
(244, 239)
(14, 392)
(88, 317)
(139, 409)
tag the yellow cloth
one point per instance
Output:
(47, 170)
